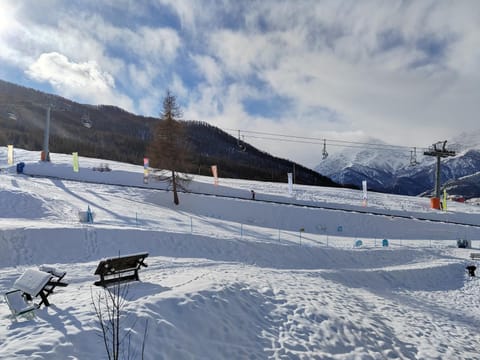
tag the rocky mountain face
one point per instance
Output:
(467, 186)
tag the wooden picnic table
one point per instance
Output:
(37, 283)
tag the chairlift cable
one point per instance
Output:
(320, 141)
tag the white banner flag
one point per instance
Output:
(290, 183)
(10, 155)
(365, 195)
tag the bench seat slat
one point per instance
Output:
(116, 279)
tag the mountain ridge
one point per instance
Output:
(390, 170)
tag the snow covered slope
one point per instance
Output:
(233, 278)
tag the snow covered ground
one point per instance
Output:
(233, 278)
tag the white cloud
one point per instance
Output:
(401, 71)
(11, 35)
(187, 11)
(177, 87)
(241, 54)
(146, 44)
(82, 80)
(6, 17)
(85, 41)
(141, 76)
(160, 44)
(151, 103)
(59, 71)
(209, 68)
(365, 61)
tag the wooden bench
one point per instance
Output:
(120, 269)
(475, 256)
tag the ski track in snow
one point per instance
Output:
(235, 279)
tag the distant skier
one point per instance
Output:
(253, 194)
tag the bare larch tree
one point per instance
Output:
(168, 149)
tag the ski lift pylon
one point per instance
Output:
(324, 151)
(413, 157)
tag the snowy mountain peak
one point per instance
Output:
(466, 141)
(376, 154)
(388, 168)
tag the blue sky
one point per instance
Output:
(405, 72)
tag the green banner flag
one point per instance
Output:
(75, 161)
(444, 199)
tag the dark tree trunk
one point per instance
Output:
(174, 183)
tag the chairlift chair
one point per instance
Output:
(86, 122)
(12, 116)
(241, 143)
(242, 147)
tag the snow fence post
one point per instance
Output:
(89, 215)
(300, 232)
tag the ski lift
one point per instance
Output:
(240, 143)
(86, 122)
(324, 151)
(413, 157)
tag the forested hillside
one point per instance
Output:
(109, 132)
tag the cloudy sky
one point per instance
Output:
(404, 72)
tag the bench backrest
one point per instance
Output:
(120, 264)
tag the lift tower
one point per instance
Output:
(439, 151)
